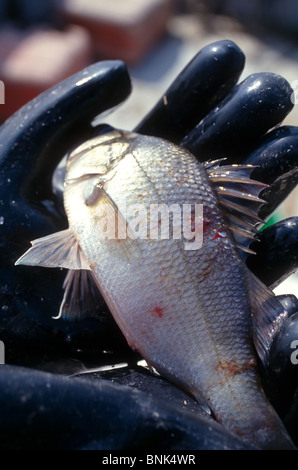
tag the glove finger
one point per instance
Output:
(201, 85)
(276, 252)
(276, 157)
(233, 128)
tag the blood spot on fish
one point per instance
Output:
(232, 368)
(218, 235)
(206, 223)
(158, 311)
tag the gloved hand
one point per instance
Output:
(205, 111)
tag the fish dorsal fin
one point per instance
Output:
(81, 296)
(238, 197)
(268, 315)
(58, 250)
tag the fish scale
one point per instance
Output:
(188, 312)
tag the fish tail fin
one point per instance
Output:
(268, 315)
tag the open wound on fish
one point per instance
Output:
(238, 196)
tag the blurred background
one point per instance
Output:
(43, 42)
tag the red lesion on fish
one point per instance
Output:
(206, 229)
(218, 235)
(158, 312)
(233, 368)
(206, 224)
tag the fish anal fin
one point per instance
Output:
(58, 250)
(81, 296)
(268, 315)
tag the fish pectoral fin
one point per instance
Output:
(58, 250)
(81, 296)
(118, 236)
(268, 315)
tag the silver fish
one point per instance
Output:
(194, 312)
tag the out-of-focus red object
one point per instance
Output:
(120, 29)
(34, 60)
